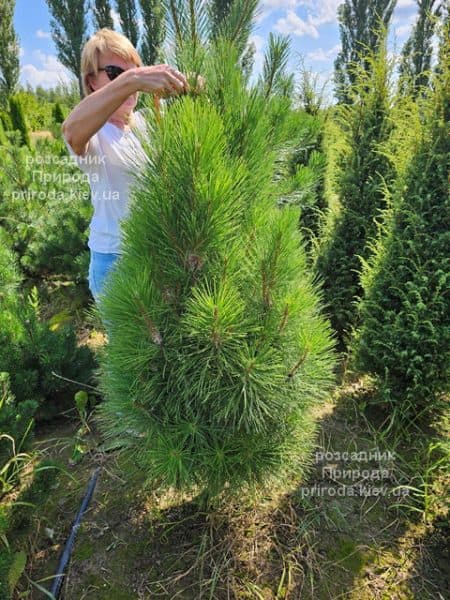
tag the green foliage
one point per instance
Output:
(364, 173)
(415, 66)
(363, 25)
(3, 138)
(67, 94)
(69, 32)
(218, 350)
(44, 475)
(41, 189)
(18, 120)
(39, 351)
(32, 349)
(16, 569)
(305, 176)
(275, 63)
(405, 335)
(153, 16)
(9, 51)
(6, 561)
(6, 120)
(310, 95)
(101, 10)
(232, 20)
(129, 20)
(38, 113)
(16, 427)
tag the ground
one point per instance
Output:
(306, 542)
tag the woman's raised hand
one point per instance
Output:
(162, 80)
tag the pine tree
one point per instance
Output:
(68, 25)
(404, 339)
(128, 19)
(415, 66)
(218, 349)
(153, 14)
(101, 10)
(275, 63)
(364, 171)
(233, 19)
(360, 25)
(9, 51)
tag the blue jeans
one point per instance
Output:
(99, 265)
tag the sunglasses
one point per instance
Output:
(112, 71)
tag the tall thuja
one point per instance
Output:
(404, 339)
(364, 172)
(218, 349)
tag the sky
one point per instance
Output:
(310, 24)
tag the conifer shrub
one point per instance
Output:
(364, 173)
(46, 210)
(57, 113)
(218, 352)
(404, 339)
(18, 120)
(309, 164)
(33, 348)
(3, 138)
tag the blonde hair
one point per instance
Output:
(103, 40)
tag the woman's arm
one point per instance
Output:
(96, 108)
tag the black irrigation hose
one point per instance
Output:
(65, 556)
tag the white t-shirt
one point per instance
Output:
(111, 160)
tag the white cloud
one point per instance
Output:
(405, 3)
(318, 12)
(266, 7)
(406, 27)
(49, 73)
(321, 13)
(295, 25)
(322, 55)
(21, 51)
(43, 34)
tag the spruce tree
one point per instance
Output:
(415, 65)
(153, 15)
(218, 350)
(361, 23)
(9, 52)
(364, 171)
(101, 10)
(68, 25)
(128, 19)
(404, 339)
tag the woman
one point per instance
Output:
(99, 135)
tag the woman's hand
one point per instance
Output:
(162, 80)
